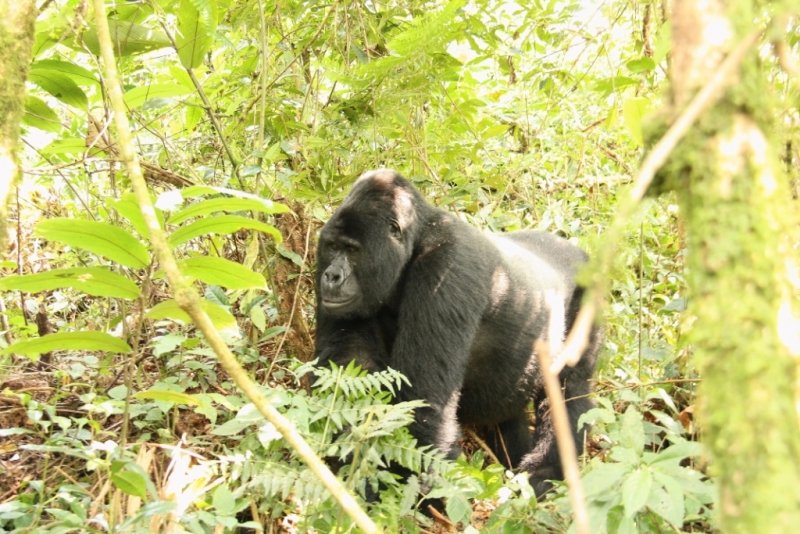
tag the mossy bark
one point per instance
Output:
(740, 222)
(16, 42)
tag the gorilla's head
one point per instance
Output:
(366, 244)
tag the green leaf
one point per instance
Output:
(79, 75)
(129, 38)
(615, 83)
(232, 427)
(66, 145)
(227, 204)
(137, 96)
(100, 238)
(634, 109)
(169, 309)
(177, 397)
(222, 272)
(642, 64)
(221, 224)
(195, 31)
(99, 341)
(97, 281)
(130, 482)
(39, 115)
(636, 491)
(667, 500)
(458, 507)
(60, 86)
(604, 476)
(679, 451)
(632, 430)
(223, 500)
(128, 207)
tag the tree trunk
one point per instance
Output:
(16, 42)
(740, 223)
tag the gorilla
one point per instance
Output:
(403, 284)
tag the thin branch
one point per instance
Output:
(566, 445)
(188, 299)
(704, 99)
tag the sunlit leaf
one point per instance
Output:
(195, 31)
(177, 397)
(99, 341)
(169, 309)
(101, 238)
(97, 281)
(636, 491)
(137, 96)
(221, 225)
(39, 115)
(222, 272)
(78, 74)
(66, 145)
(130, 482)
(634, 110)
(60, 86)
(227, 204)
(128, 38)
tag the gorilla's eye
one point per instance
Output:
(395, 229)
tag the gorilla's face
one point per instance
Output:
(364, 247)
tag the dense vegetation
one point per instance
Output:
(250, 121)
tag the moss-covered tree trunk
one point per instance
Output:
(16, 42)
(740, 218)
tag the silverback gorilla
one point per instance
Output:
(403, 284)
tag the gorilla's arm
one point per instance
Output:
(342, 341)
(439, 314)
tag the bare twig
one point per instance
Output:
(705, 98)
(566, 445)
(188, 299)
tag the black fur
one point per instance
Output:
(401, 283)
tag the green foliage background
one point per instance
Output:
(512, 116)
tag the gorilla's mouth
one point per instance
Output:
(336, 304)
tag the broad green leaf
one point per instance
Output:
(232, 427)
(60, 86)
(663, 42)
(602, 477)
(97, 281)
(668, 500)
(222, 272)
(615, 83)
(66, 145)
(221, 225)
(177, 397)
(79, 75)
(137, 96)
(39, 115)
(227, 204)
(169, 309)
(641, 64)
(130, 482)
(128, 38)
(636, 491)
(632, 431)
(679, 451)
(128, 207)
(100, 238)
(223, 500)
(634, 109)
(195, 31)
(99, 341)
